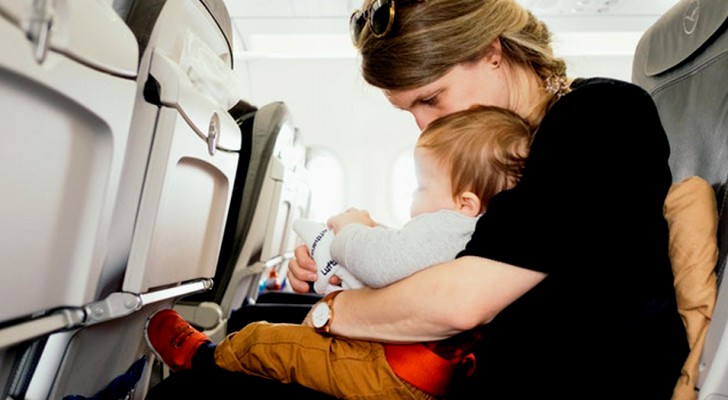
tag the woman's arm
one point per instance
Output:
(432, 304)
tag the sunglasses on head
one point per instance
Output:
(380, 16)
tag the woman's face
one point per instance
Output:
(479, 83)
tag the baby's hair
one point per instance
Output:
(483, 148)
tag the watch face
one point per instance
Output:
(320, 315)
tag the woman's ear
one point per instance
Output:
(468, 204)
(493, 53)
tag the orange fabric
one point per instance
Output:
(421, 367)
(691, 212)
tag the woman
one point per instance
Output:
(567, 275)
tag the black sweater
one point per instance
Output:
(588, 212)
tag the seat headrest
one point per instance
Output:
(684, 29)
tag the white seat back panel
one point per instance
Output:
(183, 208)
(61, 161)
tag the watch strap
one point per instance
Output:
(329, 300)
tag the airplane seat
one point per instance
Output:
(233, 228)
(280, 305)
(187, 104)
(66, 100)
(682, 61)
(258, 239)
(144, 207)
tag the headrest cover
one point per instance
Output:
(681, 31)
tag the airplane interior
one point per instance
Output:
(157, 153)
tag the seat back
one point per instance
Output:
(62, 164)
(682, 61)
(258, 238)
(141, 165)
(194, 153)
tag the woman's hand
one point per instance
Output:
(350, 216)
(301, 270)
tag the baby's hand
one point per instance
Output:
(350, 216)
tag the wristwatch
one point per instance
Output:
(323, 313)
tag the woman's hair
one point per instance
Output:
(483, 149)
(430, 37)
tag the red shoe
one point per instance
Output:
(172, 339)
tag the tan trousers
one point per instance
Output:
(342, 367)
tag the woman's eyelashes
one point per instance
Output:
(429, 101)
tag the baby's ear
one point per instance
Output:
(468, 204)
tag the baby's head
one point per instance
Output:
(464, 159)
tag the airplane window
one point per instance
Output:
(404, 184)
(325, 179)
